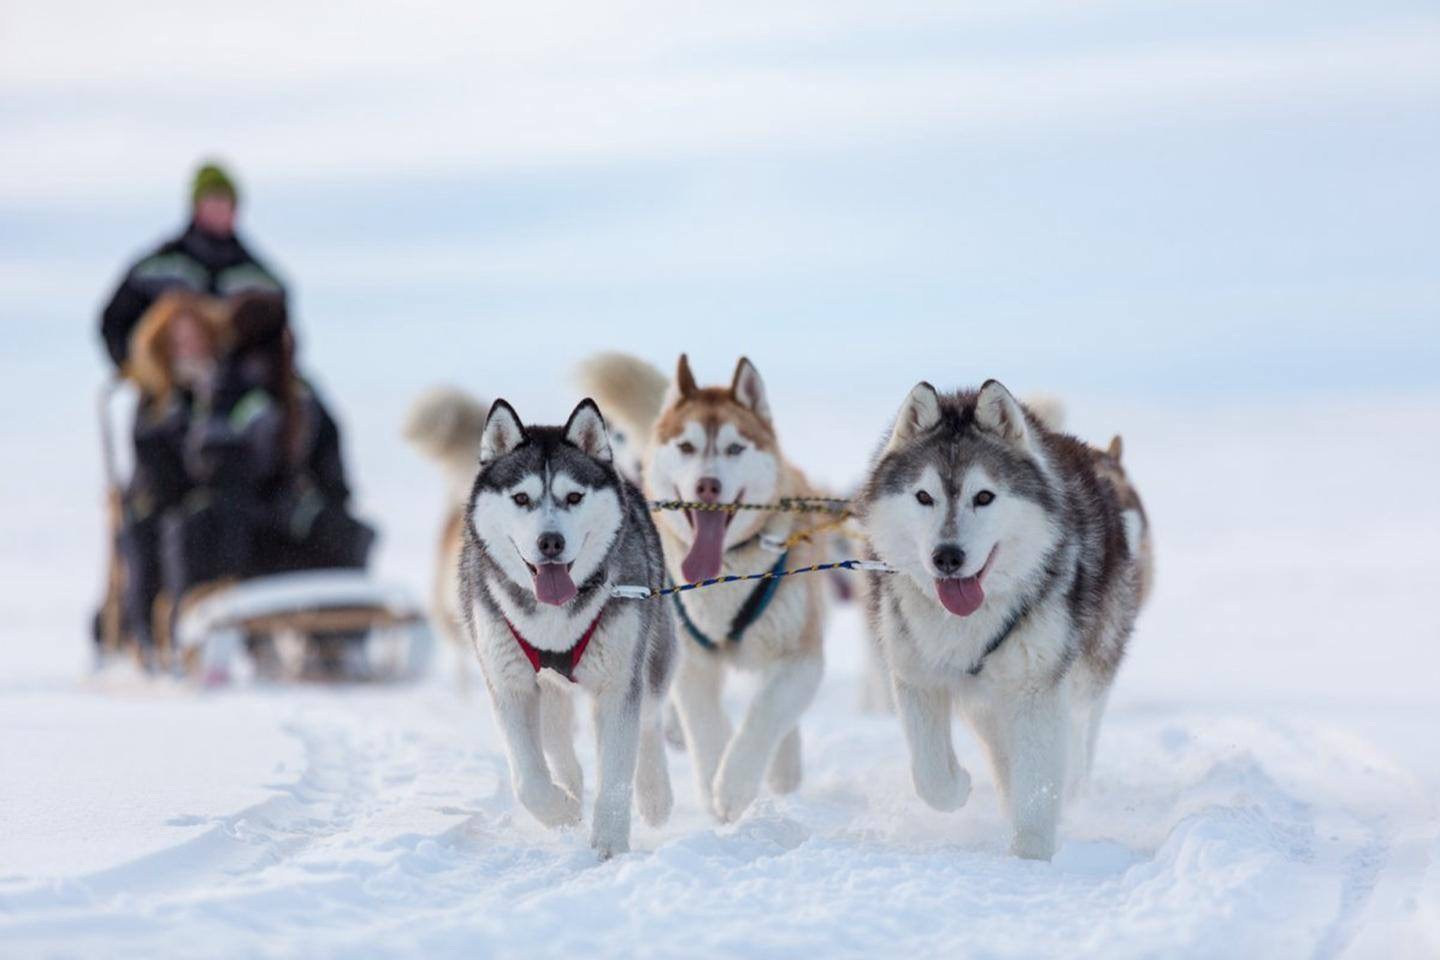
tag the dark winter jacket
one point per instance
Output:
(195, 261)
(264, 499)
(161, 479)
(242, 446)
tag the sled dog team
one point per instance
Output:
(1016, 560)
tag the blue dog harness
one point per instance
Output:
(745, 617)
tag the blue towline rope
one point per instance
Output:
(750, 611)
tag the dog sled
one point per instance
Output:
(310, 625)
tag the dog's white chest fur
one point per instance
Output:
(713, 609)
(926, 641)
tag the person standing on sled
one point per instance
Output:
(206, 258)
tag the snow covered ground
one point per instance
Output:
(1267, 784)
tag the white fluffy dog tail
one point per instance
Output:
(445, 424)
(630, 391)
(1048, 409)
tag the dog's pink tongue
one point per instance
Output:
(703, 560)
(553, 584)
(961, 597)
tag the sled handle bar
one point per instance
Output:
(108, 390)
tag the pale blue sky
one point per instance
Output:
(1110, 197)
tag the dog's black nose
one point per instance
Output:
(551, 545)
(948, 559)
(708, 489)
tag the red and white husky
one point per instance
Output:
(719, 445)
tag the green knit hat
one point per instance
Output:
(212, 178)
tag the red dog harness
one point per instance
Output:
(563, 662)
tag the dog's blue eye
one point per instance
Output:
(574, 497)
(984, 498)
(925, 498)
(735, 449)
(521, 499)
(686, 447)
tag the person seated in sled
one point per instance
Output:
(264, 453)
(174, 355)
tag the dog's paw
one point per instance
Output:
(654, 796)
(552, 805)
(610, 829)
(785, 769)
(1033, 845)
(733, 792)
(784, 778)
(569, 777)
(944, 786)
(609, 843)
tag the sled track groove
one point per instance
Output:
(320, 803)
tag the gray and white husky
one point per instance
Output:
(1015, 593)
(550, 530)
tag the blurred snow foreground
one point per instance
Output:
(1265, 786)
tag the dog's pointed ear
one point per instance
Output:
(919, 412)
(1116, 448)
(684, 379)
(998, 412)
(749, 390)
(503, 432)
(586, 429)
(683, 387)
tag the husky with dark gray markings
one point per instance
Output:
(550, 530)
(1014, 593)
(445, 424)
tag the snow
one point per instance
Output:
(1266, 786)
(396, 834)
(82, 793)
